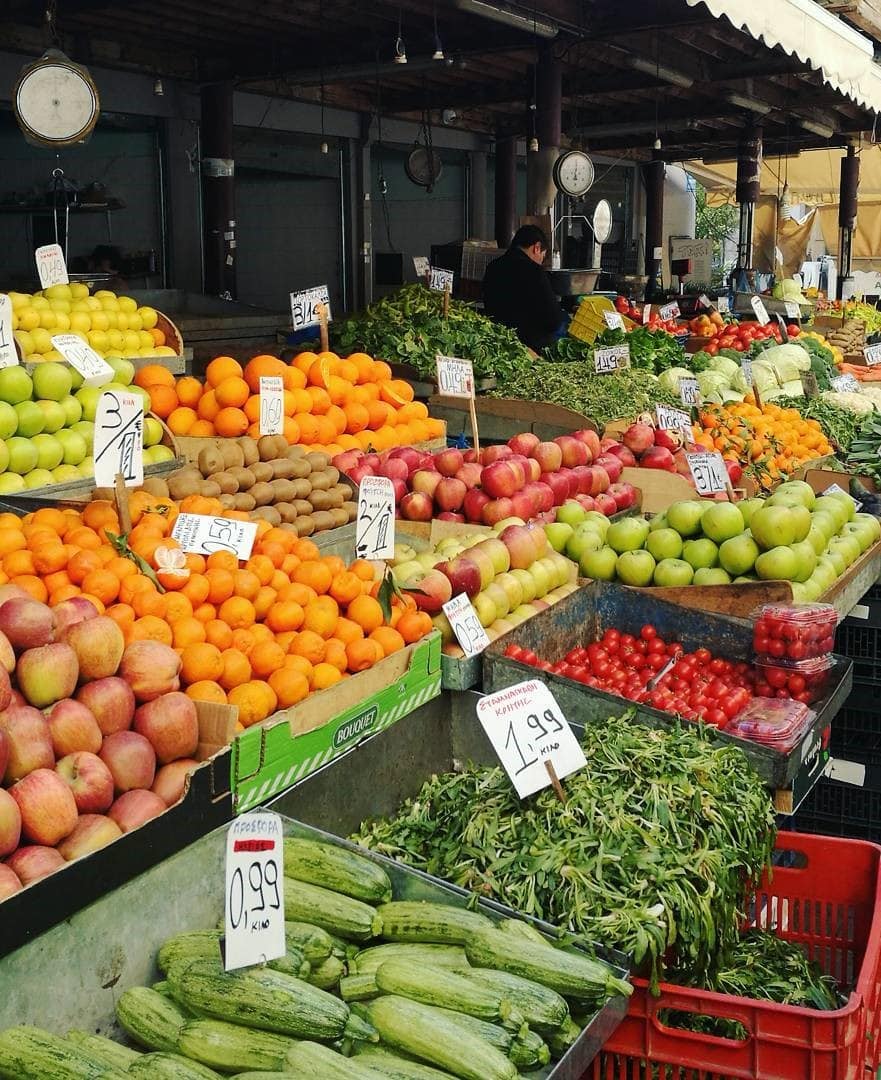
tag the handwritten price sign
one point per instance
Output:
(709, 473)
(84, 359)
(204, 534)
(119, 439)
(375, 523)
(674, 420)
(271, 405)
(669, 311)
(613, 320)
(465, 624)
(689, 392)
(440, 280)
(8, 354)
(455, 377)
(760, 310)
(51, 267)
(254, 893)
(872, 355)
(605, 361)
(305, 307)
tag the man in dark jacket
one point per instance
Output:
(517, 291)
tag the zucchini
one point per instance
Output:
(571, 974)
(229, 1047)
(525, 1048)
(413, 920)
(152, 1020)
(544, 1009)
(331, 911)
(266, 1000)
(327, 975)
(313, 1061)
(205, 945)
(359, 987)
(429, 1035)
(336, 868)
(523, 929)
(314, 943)
(560, 1041)
(344, 950)
(29, 1053)
(446, 956)
(396, 1067)
(170, 1067)
(445, 989)
(102, 1049)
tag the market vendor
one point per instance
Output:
(517, 290)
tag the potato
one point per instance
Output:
(282, 468)
(342, 489)
(351, 509)
(320, 500)
(179, 487)
(321, 480)
(334, 497)
(302, 506)
(294, 452)
(156, 485)
(262, 472)
(226, 482)
(302, 489)
(340, 518)
(244, 501)
(210, 460)
(262, 493)
(267, 513)
(209, 490)
(287, 510)
(318, 460)
(233, 454)
(243, 477)
(304, 525)
(291, 527)
(266, 447)
(229, 501)
(250, 453)
(334, 474)
(323, 520)
(283, 489)
(301, 468)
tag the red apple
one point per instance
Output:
(519, 541)
(470, 474)
(601, 479)
(584, 479)
(9, 881)
(10, 823)
(91, 833)
(590, 439)
(171, 725)
(393, 468)
(613, 465)
(5, 689)
(666, 439)
(30, 744)
(33, 862)
(425, 481)
(98, 644)
(432, 591)
(357, 474)
(549, 455)
(150, 668)
(605, 504)
(524, 443)
(69, 612)
(532, 469)
(371, 460)
(625, 456)
(607, 443)
(471, 455)
(473, 504)
(450, 493)
(48, 673)
(346, 460)
(89, 779)
(638, 438)
(411, 457)
(525, 504)
(27, 623)
(543, 494)
(171, 780)
(415, 506)
(623, 494)
(574, 451)
(464, 575)
(399, 487)
(483, 559)
(448, 462)
(136, 808)
(4, 751)
(497, 510)
(7, 654)
(680, 463)
(500, 480)
(587, 501)
(111, 701)
(656, 457)
(47, 806)
(130, 759)
(72, 727)
(489, 454)
(450, 515)
(497, 552)
(558, 484)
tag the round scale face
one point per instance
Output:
(573, 173)
(56, 102)
(423, 168)
(602, 221)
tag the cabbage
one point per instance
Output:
(739, 383)
(669, 379)
(765, 377)
(783, 357)
(853, 402)
(711, 382)
(731, 396)
(727, 367)
(793, 389)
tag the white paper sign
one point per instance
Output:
(254, 929)
(760, 310)
(746, 366)
(526, 727)
(846, 384)
(51, 267)
(699, 253)
(605, 361)
(792, 309)
(465, 624)
(305, 304)
(872, 355)
(119, 439)
(689, 391)
(375, 523)
(205, 534)
(834, 489)
(646, 313)
(708, 471)
(455, 377)
(613, 320)
(670, 311)
(674, 420)
(83, 358)
(440, 280)
(8, 352)
(271, 405)
(705, 301)
(421, 265)
(722, 303)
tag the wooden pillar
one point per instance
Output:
(653, 178)
(847, 215)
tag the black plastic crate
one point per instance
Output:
(838, 809)
(856, 729)
(860, 640)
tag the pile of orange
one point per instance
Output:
(330, 404)
(260, 635)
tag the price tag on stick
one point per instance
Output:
(529, 733)
(613, 320)
(375, 523)
(305, 305)
(455, 377)
(793, 311)
(440, 280)
(465, 624)
(271, 405)
(51, 267)
(86, 361)
(204, 534)
(760, 310)
(8, 353)
(674, 420)
(846, 384)
(605, 361)
(669, 311)
(872, 355)
(119, 439)
(689, 391)
(646, 313)
(708, 471)
(254, 894)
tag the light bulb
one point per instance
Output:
(657, 144)
(533, 145)
(325, 148)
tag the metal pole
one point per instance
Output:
(749, 167)
(218, 189)
(653, 178)
(541, 191)
(477, 195)
(847, 215)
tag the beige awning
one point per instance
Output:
(804, 29)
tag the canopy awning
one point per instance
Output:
(804, 29)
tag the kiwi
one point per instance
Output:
(318, 460)
(262, 471)
(266, 447)
(226, 482)
(282, 468)
(233, 454)
(210, 461)
(302, 506)
(342, 489)
(229, 501)
(294, 452)
(262, 494)
(244, 501)
(333, 473)
(250, 453)
(180, 486)
(267, 513)
(340, 518)
(321, 480)
(209, 490)
(334, 497)
(243, 477)
(323, 519)
(283, 490)
(302, 489)
(304, 525)
(156, 485)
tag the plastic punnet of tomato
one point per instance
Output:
(787, 633)
(778, 724)
(803, 680)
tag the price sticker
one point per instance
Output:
(51, 267)
(670, 311)
(119, 439)
(613, 320)
(760, 310)
(846, 384)
(8, 353)
(440, 280)
(305, 305)
(271, 405)
(708, 472)
(205, 534)
(746, 366)
(254, 929)
(792, 309)
(375, 523)
(809, 384)
(465, 624)
(646, 313)
(83, 358)
(834, 489)
(605, 361)
(674, 420)
(722, 304)
(527, 729)
(455, 377)
(421, 265)
(872, 355)
(689, 391)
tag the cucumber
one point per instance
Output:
(170, 1067)
(336, 868)
(396, 1067)
(523, 929)
(327, 975)
(229, 1047)
(443, 924)
(29, 1053)
(359, 987)
(152, 1020)
(331, 911)
(544, 1009)
(446, 956)
(445, 989)
(560, 1041)
(101, 1049)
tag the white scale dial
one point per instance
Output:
(56, 102)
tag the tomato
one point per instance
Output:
(577, 656)
(648, 632)
(702, 656)
(796, 650)
(716, 717)
(795, 684)
(601, 668)
(611, 635)
(674, 648)
(656, 661)
(627, 639)
(711, 348)
(716, 666)
(776, 647)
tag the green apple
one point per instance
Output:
(153, 434)
(628, 534)
(497, 594)
(600, 564)
(123, 369)
(599, 521)
(558, 534)
(799, 489)
(10, 482)
(816, 538)
(826, 522)
(86, 467)
(485, 609)
(22, 455)
(799, 592)
(685, 516)
(30, 419)
(585, 537)
(527, 584)
(8, 420)
(664, 544)
(807, 559)
(832, 505)
(711, 575)
(848, 546)
(835, 559)
(512, 587)
(52, 381)
(543, 578)
(738, 555)
(778, 563)
(864, 533)
(73, 411)
(4, 457)
(76, 380)
(846, 501)
(38, 478)
(672, 573)
(635, 567)
(571, 512)
(775, 526)
(872, 523)
(155, 455)
(722, 521)
(140, 391)
(824, 575)
(745, 579)
(54, 417)
(659, 521)
(65, 474)
(88, 396)
(812, 590)
(748, 507)
(702, 552)
(15, 385)
(87, 429)
(50, 452)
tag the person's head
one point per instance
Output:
(532, 242)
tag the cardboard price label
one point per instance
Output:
(8, 352)
(689, 391)
(613, 320)
(834, 489)
(51, 267)
(872, 355)
(670, 311)
(271, 405)
(254, 929)
(85, 360)
(605, 361)
(646, 313)
(440, 280)
(708, 472)
(455, 377)
(722, 304)
(746, 366)
(205, 534)
(465, 624)
(809, 384)
(119, 439)
(846, 384)
(760, 310)
(305, 305)
(375, 523)
(705, 302)
(527, 729)
(421, 265)
(674, 420)
(792, 309)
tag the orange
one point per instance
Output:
(363, 654)
(414, 625)
(207, 409)
(148, 602)
(163, 400)
(121, 566)
(363, 365)
(254, 700)
(251, 409)
(153, 375)
(187, 631)
(177, 606)
(103, 584)
(314, 574)
(232, 391)
(304, 360)
(308, 427)
(197, 588)
(230, 423)
(339, 390)
(320, 400)
(262, 365)
(243, 640)
(123, 615)
(205, 612)
(381, 371)
(58, 580)
(236, 611)
(309, 645)
(325, 675)
(206, 690)
(132, 585)
(51, 517)
(322, 616)
(247, 584)
(18, 562)
(201, 661)
(221, 584)
(305, 549)
(357, 417)
(189, 390)
(182, 420)
(157, 335)
(367, 612)
(266, 657)
(223, 559)
(263, 601)
(262, 566)
(347, 630)
(289, 686)
(83, 537)
(201, 428)
(299, 663)
(284, 616)
(291, 430)
(11, 540)
(150, 628)
(389, 640)
(335, 653)
(49, 558)
(218, 633)
(236, 669)
(363, 569)
(35, 587)
(220, 368)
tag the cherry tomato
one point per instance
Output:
(601, 668)
(716, 717)
(796, 650)
(717, 666)
(702, 656)
(656, 661)
(776, 677)
(648, 632)
(776, 647)
(577, 656)
(795, 684)
(657, 646)
(627, 641)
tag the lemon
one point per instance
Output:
(57, 292)
(48, 319)
(40, 303)
(25, 342)
(59, 305)
(94, 303)
(100, 320)
(164, 350)
(42, 340)
(109, 303)
(78, 290)
(134, 321)
(19, 300)
(62, 322)
(98, 340)
(28, 318)
(102, 294)
(131, 341)
(115, 340)
(149, 317)
(80, 320)
(126, 303)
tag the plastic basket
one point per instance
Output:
(826, 900)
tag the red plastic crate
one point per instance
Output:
(829, 901)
